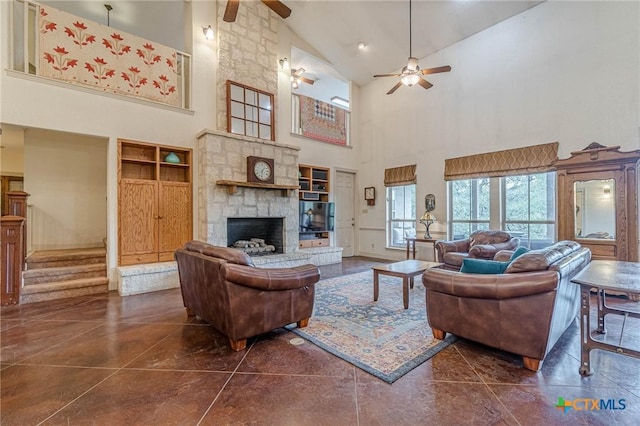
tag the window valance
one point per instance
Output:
(518, 161)
(397, 176)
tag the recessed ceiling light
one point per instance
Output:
(361, 45)
(339, 101)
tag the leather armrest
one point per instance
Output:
(453, 246)
(271, 279)
(499, 286)
(503, 255)
(483, 251)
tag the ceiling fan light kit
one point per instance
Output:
(411, 73)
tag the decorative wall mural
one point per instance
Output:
(86, 53)
(323, 121)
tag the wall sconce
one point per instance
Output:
(284, 63)
(208, 32)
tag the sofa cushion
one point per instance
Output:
(518, 252)
(488, 237)
(483, 266)
(541, 259)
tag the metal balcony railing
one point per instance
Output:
(56, 45)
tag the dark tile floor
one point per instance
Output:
(137, 360)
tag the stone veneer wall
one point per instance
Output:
(247, 52)
(223, 156)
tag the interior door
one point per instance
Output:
(345, 214)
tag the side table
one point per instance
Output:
(411, 246)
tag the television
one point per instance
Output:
(316, 216)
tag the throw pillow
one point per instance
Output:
(518, 252)
(483, 266)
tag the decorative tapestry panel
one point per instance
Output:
(323, 121)
(86, 53)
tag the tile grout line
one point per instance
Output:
(355, 386)
(225, 384)
(116, 371)
(487, 386)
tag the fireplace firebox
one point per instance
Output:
(269, 229)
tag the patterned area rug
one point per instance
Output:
(382, 338)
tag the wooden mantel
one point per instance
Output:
(232, 187)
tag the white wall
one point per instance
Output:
(561, 71)
(66, 175)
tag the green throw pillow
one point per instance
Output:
(518, 252)
(483, 266)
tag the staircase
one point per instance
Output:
(56, 274)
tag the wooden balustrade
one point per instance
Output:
(17, 201)
(12, 255)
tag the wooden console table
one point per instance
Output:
(605, 275)
(411, 246)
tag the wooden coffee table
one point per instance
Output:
(407, 269)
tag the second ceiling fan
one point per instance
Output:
(411, 73)
(231, 11)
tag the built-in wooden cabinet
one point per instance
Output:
(314, 185)
(154, 201)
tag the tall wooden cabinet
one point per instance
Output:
(154, 201)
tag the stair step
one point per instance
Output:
(64, 273)
(61, 289)
(69, 257)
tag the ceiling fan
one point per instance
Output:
(411, 73)
(297, 78)
(231, 11)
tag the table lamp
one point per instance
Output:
(427, 219)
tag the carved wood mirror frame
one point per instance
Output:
(597, 162)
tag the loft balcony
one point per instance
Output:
(60, 47)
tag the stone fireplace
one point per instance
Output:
(223, 156)
(267, 229)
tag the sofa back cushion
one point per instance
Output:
(488, 237)
(541, 259)
(224, 253)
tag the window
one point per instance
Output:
(401, 214)
(529, 208)
(470, 206)
(521, 205)
(249, 111)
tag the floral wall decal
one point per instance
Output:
(123, 63)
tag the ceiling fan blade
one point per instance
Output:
(424, 83)
(445, 68)
(306, 80)
(231, 11)
(387, 75)
(278, 7)
(394, 88)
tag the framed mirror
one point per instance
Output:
(595, 207)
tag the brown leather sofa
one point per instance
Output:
(222, 286)
(524, 310)
(479, 245)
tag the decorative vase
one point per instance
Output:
(172, 158)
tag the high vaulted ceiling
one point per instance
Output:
(334, 28)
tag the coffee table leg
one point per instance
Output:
(405, 292)
(585, 329)
(600, 297)
(375, 286)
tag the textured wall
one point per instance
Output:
(247, 52)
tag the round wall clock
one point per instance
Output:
(260, 170)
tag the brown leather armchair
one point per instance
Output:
(480, 245)
(524, 310)
(222, 286)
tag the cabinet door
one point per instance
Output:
(138, 225)
(175, 228)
